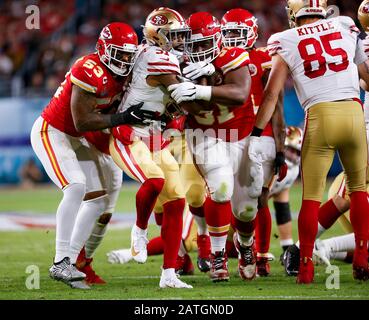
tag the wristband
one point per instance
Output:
(256, 132)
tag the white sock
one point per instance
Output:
(321, 230)
(182, 250)
(218, 243)
(89, 212)
(341, 243)
(245, 241)
(95, 238)
(286, 242)
(170, 272)
(202, 228)
(341, 256)
(65, 218)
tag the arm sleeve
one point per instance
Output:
(160, 62)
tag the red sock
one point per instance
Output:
(231, 249)
(328, 214)
(145, 200)
(171, 231)
(155, 246)
(199, 212)
(359, 217)
(308, 227)
(244, 228)
(218, 218)
(263, 230)
(159, 218)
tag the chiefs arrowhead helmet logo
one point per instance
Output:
(106, 34)
(366, 8)
(159, 20)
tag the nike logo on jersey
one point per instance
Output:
(89, 74)
(233, 54)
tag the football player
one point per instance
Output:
(138, 149)
(322, 55)
(94, 83)
(240, 29)
(217, 140)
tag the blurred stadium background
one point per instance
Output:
(34, 62)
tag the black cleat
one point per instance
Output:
(203, 264)
(291, 260)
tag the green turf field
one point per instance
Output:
(132, 281)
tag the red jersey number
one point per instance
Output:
(324, 45)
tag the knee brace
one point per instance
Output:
(282, 212)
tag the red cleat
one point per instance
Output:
(306, 271)
(83, 264)
(219, 266)
(262, 266)
(184, 266)
(246, 259)
(360, 269)
(203, 258)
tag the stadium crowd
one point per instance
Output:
(34, 62)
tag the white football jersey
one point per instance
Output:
(151, 60)
(287, 182)
(322, 58)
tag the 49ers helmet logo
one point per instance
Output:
(159, 20)
(366, 8)
(106, 34)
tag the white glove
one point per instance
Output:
(187, 91)
(198, 69)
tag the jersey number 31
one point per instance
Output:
(315, 64)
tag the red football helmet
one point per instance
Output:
(117, 47)
(205, 38)
(242, 23)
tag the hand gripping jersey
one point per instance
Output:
(321, 57)
(260, 63)
(151, 60)
(287, 182)
(233, 120)
(91, 75)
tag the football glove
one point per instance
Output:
(280, 166)
(187, 91)
(198, 69)
(133, 115)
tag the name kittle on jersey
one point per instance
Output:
(325, 26)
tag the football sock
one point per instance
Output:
(65, 218)
(88, 213)
(145, 200)
(328, 214)
(285, 243)
(171, 231)
(159, 218)
(263, 229)
(245, 231)
(359, 217)
(95, 238)
(199, 216)
(308, 227)
(155, 246)
(218, 218)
